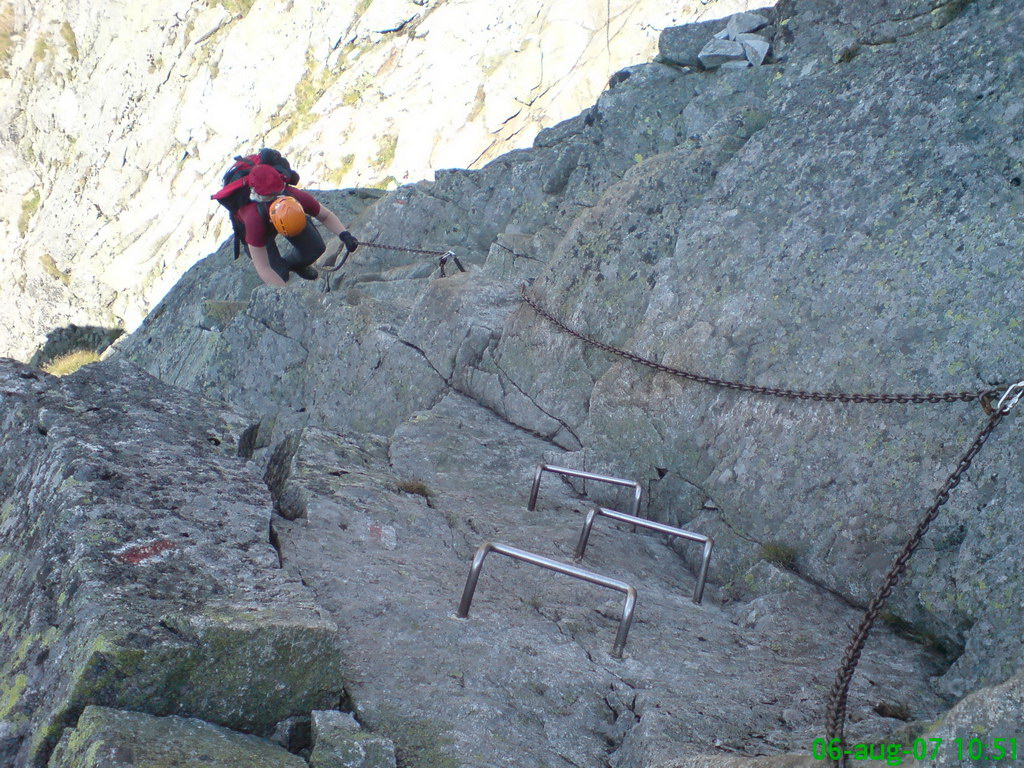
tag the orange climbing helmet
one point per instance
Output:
(287, 216)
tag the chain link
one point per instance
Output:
(334, 268)
(401, 248)
(835, 713)
(983, 395)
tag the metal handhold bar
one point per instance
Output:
(707, 541)
(552, 565)
(637, 490)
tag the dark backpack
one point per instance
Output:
(235, 192)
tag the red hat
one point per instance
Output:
(265, 180)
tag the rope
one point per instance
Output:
(835, 712)
(984, 395)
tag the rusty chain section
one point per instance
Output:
(401, 248)
(445, 256)
(835, 713)
(985, 396)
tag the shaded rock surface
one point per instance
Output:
(138, 571)
(339, 742)
(528, 678)
(985, 722)
(108, 738)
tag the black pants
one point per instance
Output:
(305, 248)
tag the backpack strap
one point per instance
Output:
(233, 196)
(239, 230)
(229, 189)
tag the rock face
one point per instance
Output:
(120, 123)
(386, 537)
(792, 225)
(339, 742)
(843, 218)
(107, 738)
(138, 571)
(174, 624)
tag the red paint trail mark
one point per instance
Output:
(136, 555)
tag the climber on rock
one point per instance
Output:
(278, 208)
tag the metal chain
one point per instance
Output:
(984, 395)
(835, 712)
(334, 268)
(401, 248)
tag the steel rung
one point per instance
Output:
(637, 490)
(707, 541)
(552, 565)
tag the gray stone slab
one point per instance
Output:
(109, 738)
(682, 45)
(717, 52)
(340, 742)
(528, 675)
(755, 46)
(741, 23)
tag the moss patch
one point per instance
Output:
(68, 35)
(237, 7)
(51, 268)
(419, 742)
(354, 95)
(10, 695)
(386, 152)
(41, 53)
(385, 182)
(29, 205)
(311, 86)
(245, 672)
(778, 554)
(414, 487)
(308, 91)
(336, 176)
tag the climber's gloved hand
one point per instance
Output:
(349, 240)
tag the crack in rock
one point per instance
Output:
(520, 390)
